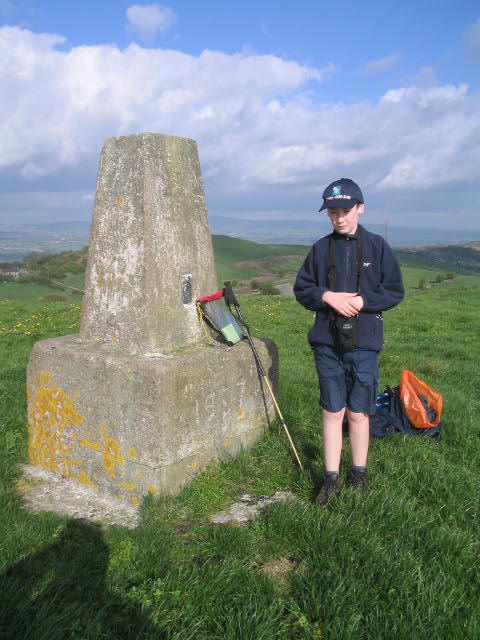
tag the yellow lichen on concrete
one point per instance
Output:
(153, 490)
(85, 480)
(128, 486)
(96, 446)
(51, 412)
(45, 378)
(134, 500)
(111, 453)
(132, 453)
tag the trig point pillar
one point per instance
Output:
(139, 402)
(151, 251)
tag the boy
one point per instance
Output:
(348, 279)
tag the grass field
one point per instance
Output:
(75, 280)
(402, 562)
(228, 251)
(32, 291)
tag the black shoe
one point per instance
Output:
(331, 486)
(358, 479)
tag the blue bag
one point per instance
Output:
(391, 417)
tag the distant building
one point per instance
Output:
(14, 272)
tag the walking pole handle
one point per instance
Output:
(229, 295)
(230, 299)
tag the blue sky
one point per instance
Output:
(281, 98)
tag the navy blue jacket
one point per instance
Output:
(381, 285)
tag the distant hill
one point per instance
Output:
(463, 258)
(235, 259)
(234, 255)
(242, 259)
(245, 263)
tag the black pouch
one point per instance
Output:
(345, 332)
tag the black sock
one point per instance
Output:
(332, 475)
(358, 469)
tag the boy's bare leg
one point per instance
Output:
(359, 432)
(332, 438)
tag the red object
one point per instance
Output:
(410, 388)
(214, 296)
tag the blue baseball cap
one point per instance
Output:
(343, 193)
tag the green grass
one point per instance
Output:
(228, 251)
(402, 562)
(31, 291)
(75, 280)
(413, 275)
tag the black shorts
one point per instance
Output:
(347, 379)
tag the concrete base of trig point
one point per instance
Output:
(129, 425)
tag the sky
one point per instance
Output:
(281, 97)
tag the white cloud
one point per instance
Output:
(266, 140)
(380, 65)
(146, 21)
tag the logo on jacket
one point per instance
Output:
(367, 264)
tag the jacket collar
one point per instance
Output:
(337, 235)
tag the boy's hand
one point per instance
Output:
(358, 302)
(346, 304)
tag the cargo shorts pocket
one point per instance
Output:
(363, 394)
(333, 393)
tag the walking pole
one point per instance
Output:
(229, 300)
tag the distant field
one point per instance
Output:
(31, 291)
(461, 258)
(413, 275)
(75, 280)
(230, 251)
(245, 250)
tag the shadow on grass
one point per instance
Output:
(61, 592)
